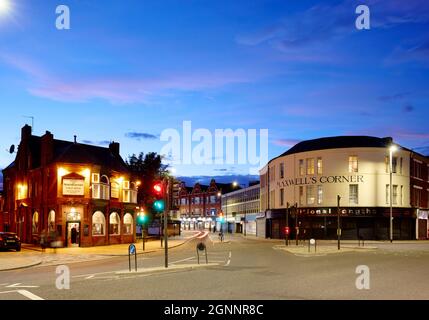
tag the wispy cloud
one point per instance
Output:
(394, 97)
(97, 143)
(286, 142)
(115, 89)
(141, 135)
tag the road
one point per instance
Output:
(245, 270)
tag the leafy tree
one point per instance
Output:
(148, 168)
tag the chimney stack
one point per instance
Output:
(114, 148)
(75, 139)
(47, 148)
(26, 132)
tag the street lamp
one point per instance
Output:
(393, 148)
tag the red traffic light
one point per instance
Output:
(158, 188)
(287, 230)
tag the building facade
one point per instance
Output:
(301, 188)
(82, 194)
(240, 209)
(200, 205)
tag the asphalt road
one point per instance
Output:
(245, 270)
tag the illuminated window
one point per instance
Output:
(311, 195)
(301, 195)
(319, 166)
(95, 178)
(354, 194)
(353, 164)
(114, 223)
(51, 221)
(128, 223)
(301, 167)
(319, 194)
(35, 222)
(310, 166)
(98, 223)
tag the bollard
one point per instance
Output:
(132, 251)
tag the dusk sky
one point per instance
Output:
(127, 70)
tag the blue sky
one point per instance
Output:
(129, 69)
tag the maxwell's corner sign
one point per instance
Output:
(322, 180)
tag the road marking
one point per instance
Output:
(183, 260)
(18, 285)
(204, 235)
(90, 277)
(229, 260)
(92, 274)
(25, 293)
(29, 295)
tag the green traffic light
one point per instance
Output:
(159, 205)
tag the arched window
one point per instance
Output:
(114, 223)
(128, 223)
(35, 222)
(51, 221)
(98, 222)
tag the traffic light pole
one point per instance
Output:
(167, 206)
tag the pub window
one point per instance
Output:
(311, 195)
(282, 197)
(301, 167)
(386, 163)
(114, 223)
(95, 178)
(282, 170)
(319, 166)
(128, 223)
(353, 164)
(354, 194)
(51, 221)
(126, 184)
(301, 195)
(35, 222)
(310, 166)
(98, 223)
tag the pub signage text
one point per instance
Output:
(322, 180)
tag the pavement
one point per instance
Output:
(31, 255)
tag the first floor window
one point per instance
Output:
(311, 194)
(395, 194)
(128, 223)
(353, 164)
(354, 194)
(282, 197)
(98, 222)
(301, 195)
(51, 221)
(319, 194)
(114, 223)
(301, 167)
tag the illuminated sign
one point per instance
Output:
(73, 187)
(322, 180)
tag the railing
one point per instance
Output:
(100, 191)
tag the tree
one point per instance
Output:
(147, 168)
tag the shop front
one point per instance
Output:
(422, 225)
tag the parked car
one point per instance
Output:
(10, 240)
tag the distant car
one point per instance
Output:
(10, 240)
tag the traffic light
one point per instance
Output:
(287, 230)
(141, 219)
(159, 204)
(221, 217)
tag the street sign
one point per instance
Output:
(132, 249)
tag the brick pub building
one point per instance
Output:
(84, 194)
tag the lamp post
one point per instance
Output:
(392, 149)
(338, 222)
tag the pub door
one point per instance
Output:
(73, 234)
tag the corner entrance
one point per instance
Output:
(73, 234)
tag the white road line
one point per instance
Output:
(29, 295)
(183, 260)
(90, 277)
(229, 260)
(25, 293)
(92, 274)
(18, 285)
